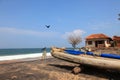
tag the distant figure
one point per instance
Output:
(48, 26)
(44, 54)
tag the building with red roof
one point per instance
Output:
(98, 40)
(116, 40)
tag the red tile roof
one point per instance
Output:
(97, 36)
(116, 37)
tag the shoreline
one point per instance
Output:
(23, 60)
(19, 58)
(23, 56)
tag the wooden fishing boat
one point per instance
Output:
(97, 61)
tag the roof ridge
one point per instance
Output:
(99, 35)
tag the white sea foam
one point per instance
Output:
(22, 56)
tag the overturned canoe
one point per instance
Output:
(101, 62)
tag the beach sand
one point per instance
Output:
(51, 69)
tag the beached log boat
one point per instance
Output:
(97, 61)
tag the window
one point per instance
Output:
(100, 42)
(89, 42)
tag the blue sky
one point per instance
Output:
(22, 22)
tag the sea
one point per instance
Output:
(22, 53)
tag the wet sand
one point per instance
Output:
(51, 69)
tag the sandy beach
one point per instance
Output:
(51, 69)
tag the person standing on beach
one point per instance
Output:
(44, 54)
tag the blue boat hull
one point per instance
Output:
(93, 54)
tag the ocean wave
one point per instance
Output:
(22, 56)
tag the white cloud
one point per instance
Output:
(77, 32)
(15, 31)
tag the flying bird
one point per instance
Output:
(48, 26)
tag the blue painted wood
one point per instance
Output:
(91, 53)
